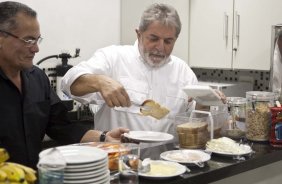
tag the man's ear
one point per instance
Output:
(1, 40)
(138, 33)
(1, 37)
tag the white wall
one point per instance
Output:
(70, 24)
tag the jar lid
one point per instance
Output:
(260, 95)
(236, 100)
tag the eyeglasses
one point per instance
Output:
(28, 42)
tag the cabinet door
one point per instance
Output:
(253, 19)
(210, 38)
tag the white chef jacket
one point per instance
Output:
(124, 64)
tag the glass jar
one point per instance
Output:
(237, 109)
(258, 114)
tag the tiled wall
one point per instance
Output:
(260, 78)
(51, 73)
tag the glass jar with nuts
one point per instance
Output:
(258, 114)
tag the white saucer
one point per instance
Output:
(100, 179)
(85, 175)
(79, 154)
(91, 164)
(148, 136)
(86, 169)
(186, 156)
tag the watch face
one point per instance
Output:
(103, 136)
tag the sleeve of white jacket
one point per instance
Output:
(95, 65)
(67, 81)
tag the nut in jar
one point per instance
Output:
(258, 115)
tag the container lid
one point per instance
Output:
(260, 95)
(236, 101)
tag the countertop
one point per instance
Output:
(219, 167)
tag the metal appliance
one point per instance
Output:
(276, 61)
(60, 71)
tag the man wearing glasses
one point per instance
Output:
(29, 107)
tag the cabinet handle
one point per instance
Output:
(225, 26)
(237, 25)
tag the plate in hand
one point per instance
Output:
(148, 136)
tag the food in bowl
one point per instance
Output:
(192, 134)
(235, 133)
(114, 150)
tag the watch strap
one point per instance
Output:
(103, 136)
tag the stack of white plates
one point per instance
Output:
(85, 165)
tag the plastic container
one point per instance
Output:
(114, 150)
(220, 116)
(258, 114)
(193, 133)
(51, 168)
(193, 129)
(237, 110)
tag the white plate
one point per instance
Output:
(163, 169)
(86, 169)
(79, 154)
(85, 175)
(95, 180)
(148, 136)
(246, 150)
(205, 95)
(87, 165)
(186, 156)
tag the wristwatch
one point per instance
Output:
(103, 136)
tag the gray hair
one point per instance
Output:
(8, 12)
(163, 13)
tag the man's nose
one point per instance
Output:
(35, 48)
(160, 45)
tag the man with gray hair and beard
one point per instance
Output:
(118, 77)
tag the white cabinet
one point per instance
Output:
(232, 34)
(131, 11)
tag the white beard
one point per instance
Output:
(146, 57)
(153, 64)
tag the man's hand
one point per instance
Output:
(222, 96)
(113, 92)
(116, 135)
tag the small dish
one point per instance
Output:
(148, 136)
(161, 169)
(228, 147)
(186, 156)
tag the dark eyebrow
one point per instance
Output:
(32, 37)
(155, 36)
